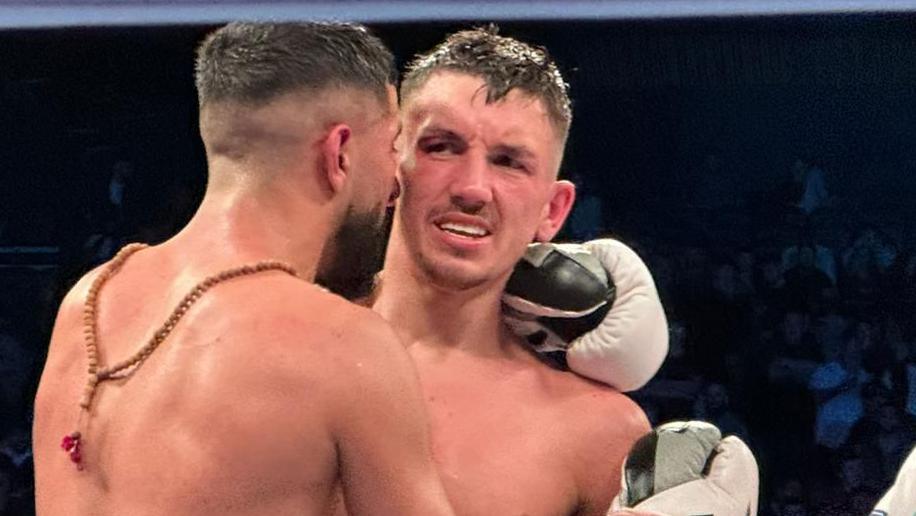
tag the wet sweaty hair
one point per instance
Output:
(253, 63)
(503, 63)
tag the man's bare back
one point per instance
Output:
(270, 395)
(257, 403)
(513, 436)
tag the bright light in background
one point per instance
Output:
(57, 13)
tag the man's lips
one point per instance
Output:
(465, 226)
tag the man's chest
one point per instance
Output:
(498, 451)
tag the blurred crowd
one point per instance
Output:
(804, 347)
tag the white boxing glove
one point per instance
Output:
(597, 302)
(686, 469)
(900, 499)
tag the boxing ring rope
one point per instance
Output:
(63, 13)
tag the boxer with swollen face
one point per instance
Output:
(484, 124)
(208, 374)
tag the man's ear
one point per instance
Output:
(335, 156)
(557, 209)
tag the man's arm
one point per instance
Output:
(60, 350)
(382, 428)
(615, 423)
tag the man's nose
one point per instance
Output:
(471, 189)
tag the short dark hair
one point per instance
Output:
(503, 63)
(255, 62)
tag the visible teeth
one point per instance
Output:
(462, 229)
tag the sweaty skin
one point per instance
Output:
(271, 396)
(510, 435)
(257, 403)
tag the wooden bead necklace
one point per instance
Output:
(72, 443)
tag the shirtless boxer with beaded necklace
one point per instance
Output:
(201, 376)
(485, 120)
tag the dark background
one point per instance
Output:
(685, 132)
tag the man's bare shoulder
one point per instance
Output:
(72, 305)
(303, 319)
(606, 424)
(600, 409)
(76, 296)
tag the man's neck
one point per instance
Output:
(424, 313)
(233, 229)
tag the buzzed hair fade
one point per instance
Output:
(254, 62)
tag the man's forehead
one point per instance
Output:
(429, 113)
(449, 90)
(446, 84)
(460, 99)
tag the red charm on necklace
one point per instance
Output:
(71, 444)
